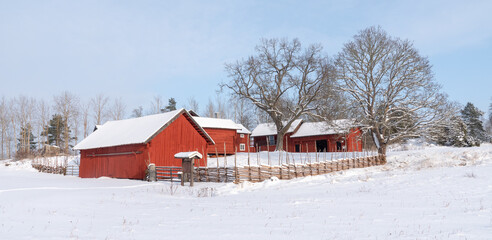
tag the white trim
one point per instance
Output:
(242, 147)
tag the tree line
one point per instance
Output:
(32, 127)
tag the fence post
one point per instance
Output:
(236, 179)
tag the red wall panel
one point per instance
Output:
(97, 162)
(180, 136)
(221, 136)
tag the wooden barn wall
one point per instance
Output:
(131, 166)
(221, 136)
(261, 143)
(353, 142)
(243, 140)
(179, 136)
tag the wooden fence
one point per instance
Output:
(65, 170)
(264, 172)
(72, 171)
(168, 173)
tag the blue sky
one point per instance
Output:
(139, 49)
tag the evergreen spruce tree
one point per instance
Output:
(171, 106)
(472, 118)
(55, 131)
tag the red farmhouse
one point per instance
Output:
(223, 132)
(338, 136)
(124, 148)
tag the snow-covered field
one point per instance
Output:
(424, 192)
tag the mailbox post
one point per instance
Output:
(187, 163)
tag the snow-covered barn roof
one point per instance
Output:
(134, 130)
(216, 123)
(266, 129)
(324, 128)
(243, 129)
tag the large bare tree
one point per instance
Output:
(66, 104)
(99, 108)
(4, 124)
(156, 105)
(118, 109)
(281, 79)
(391, 84)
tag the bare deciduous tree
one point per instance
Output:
(157, 105)
(282, 79)
(243, 111)
(85, 108)
(4, 124)
(99, 108)
(66, 105)
(25, 114)
(43, 120)
(209, 109)
(391, 84)
(192, 104)
(118, 109)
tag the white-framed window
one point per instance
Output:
(242, 147)
(241, 135)
(271, 140)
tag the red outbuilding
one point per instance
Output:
(223, 132)
(336, 136)
(125, 148)
(265, 136)
(243, 139)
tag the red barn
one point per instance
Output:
(222, 131)
(124, 148)
(265, 136)
(338, 136)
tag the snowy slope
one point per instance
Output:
(422, 193)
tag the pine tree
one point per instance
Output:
(472, 118)
(55, 131)
(171, 106)
(453, 132)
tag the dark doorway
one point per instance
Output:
(298, 148)
(321, 145)
(339, 146)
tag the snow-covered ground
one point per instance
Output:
(424, 192)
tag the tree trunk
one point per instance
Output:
(380, 144)
(382, 152)
(280, 141)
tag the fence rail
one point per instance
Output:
(65, 170)
(168, 173)
(264, 172)
(72, 171)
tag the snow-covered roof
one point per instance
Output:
(193, 154)
(216, 123)
(133, 131)
(266, 129)
(324, 128)
(243, 129)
